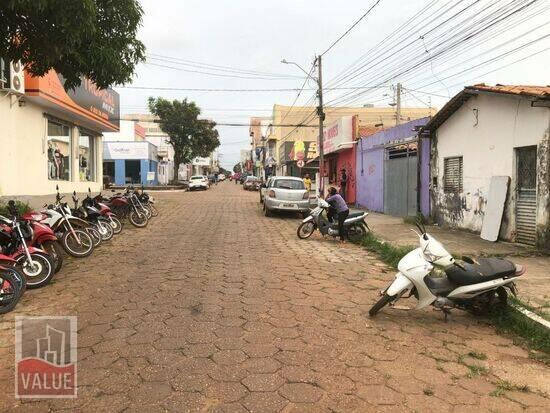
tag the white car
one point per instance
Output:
(198, 182)
(221, 177)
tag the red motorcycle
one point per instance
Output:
(44, 238)
(35, 264)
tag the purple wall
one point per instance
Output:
(370, 165)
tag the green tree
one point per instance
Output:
(189, 136)
(91, 38)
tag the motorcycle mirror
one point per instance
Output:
(89, 190)
(74, 193)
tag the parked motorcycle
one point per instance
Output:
(91, 214)
(35, 264)
(477, 285)
(106, 211)
(128, 205)
(356, 226)
(69, 229)
(44, 238)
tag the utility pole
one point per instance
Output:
(321, 114)
(398, 105)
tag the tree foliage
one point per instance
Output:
(91, 38)
(189, 136)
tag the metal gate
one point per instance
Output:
(526, 195)
(400, 180)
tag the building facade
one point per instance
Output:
(391, 170)
(130, 162)
(51, 137)
(488, 131)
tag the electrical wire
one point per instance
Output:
(351, 28)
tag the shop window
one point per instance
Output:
(333, 171)
(452, 178)
(59, 151)
(86, 156)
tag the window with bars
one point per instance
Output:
(452, 178)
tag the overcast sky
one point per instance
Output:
(256, 35)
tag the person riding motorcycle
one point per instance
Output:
(339, 209)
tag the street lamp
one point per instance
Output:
(286, 62)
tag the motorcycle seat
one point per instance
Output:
(355, 214)
(484, 269)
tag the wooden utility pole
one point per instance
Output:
(321, 114)
(398, 105)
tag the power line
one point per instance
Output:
(209, 66)
(179, 89)
(351, 28)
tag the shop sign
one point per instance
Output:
(338, 135)
(299, 151)
(125, 150)
(198, 161)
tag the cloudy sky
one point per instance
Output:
(182, 36)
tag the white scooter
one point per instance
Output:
(476, 286)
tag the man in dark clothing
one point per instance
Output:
(342, 210)
(343, 183)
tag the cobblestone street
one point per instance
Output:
(214, 307)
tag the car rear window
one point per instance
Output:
(289, 184)
(197, 177)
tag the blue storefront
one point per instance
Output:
(130, 162)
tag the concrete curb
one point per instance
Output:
(532, 316)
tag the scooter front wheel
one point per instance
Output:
(305, 230)
(10, 291)
(55, 251)
(381, 303)
(116, 225)
(138, 219)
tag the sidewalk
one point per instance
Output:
(534, 286)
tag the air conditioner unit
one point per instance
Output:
(13, 78)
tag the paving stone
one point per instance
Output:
(238, 329)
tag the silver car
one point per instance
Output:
(285, 193)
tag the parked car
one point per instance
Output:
(198, 182)
(221, 177)
(212, 178)
(252, 183)
(263, 189)
(285, 193)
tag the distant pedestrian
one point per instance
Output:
(343, 183)
(307, 182)
(341, 208)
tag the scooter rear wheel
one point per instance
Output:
(305, 230)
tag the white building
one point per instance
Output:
(161, 140)
(487, 131)
(50, 137)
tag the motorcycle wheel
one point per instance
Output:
(10, 291)
(95, 235)
(138, 220)
(105, 229)
(356, 232)
(20, 278)
(79, 245)
(148, 212)
(154, 211)
(382, 302)
(116, 225)
(305, 230)
(40, 272)
(55, 252)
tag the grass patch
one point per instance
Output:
(527, 332)
(476, 370)
(22, 207)
(388, 253)
(503, 386)
(537, 311)
(477, 355)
